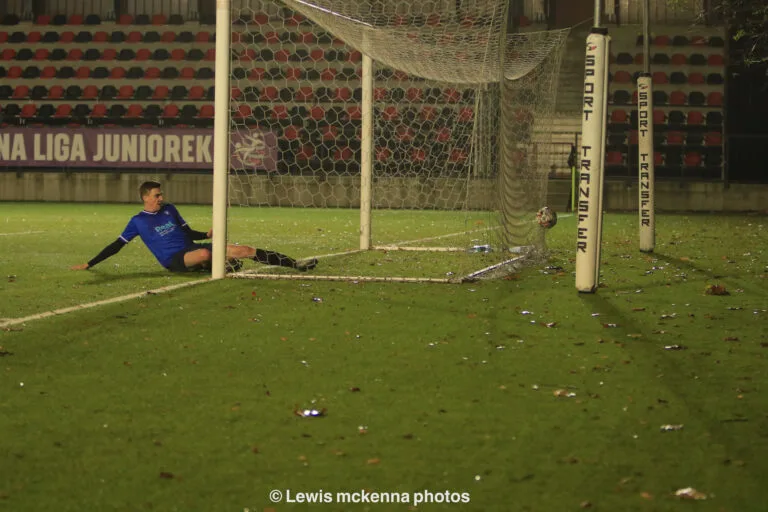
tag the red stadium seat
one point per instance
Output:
(159, 19)
(48, 72)
(272, 37)
(341, 94)
(99, 110)
(76, 19)
(178, 54)
(134, 37)
(660, 77)
(317, 113)
(187, 73)
(243, 111)
(8, 54)
(679, 59)
(56, 92)
(63, 110)
(316, 55)
(715, 59)
(168, 36)
(34, 36)
(380, 93)
(20, 92)
(692, 159)
(383, 154)
(715, 99)
(661, 40)
(292, 132)
(210, 55)
(196, 92)
(282, 55)
(170, 111)
(28, 110)
(305, 93)
(451, 95)
(67, 37)
(443, 135)
(466, 115)
(614, 158)
(343, 154)
(390, 113)
(418, 155)
(41, 54)
(83, 72)
(100, 37)
(160, 92)
(328, 74)
(143, 54)
(677, 98)
(269, 93)
(622, 77)
(90, 92)
(354, 113)
(206, 111)
(43, 19)
(458, 156)
(125, 92)
(75, 54)
(428, 113)
(108, 54)
(204, 37)
(152, 73)
(279, 112)
(15, 72)
(329, 132)
(134, 110)
(713, 139)
(675, 138)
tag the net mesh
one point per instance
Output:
(460, 111)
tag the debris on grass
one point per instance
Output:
(310, 413)
(671, 427)
(563, 393)
(675, 347)
(689, 493)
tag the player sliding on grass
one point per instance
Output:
(168, 236)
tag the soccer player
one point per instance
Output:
(168, 236)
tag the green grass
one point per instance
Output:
(185, 401)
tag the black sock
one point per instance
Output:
(274, 258)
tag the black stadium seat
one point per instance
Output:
(58, 54)
(108, 92)
(38, 92)
(117, 36)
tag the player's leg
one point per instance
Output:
(197, 257)
(268, 257)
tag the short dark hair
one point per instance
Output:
(146, 187)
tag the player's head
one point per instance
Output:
(152, 195)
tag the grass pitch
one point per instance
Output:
(520, 392)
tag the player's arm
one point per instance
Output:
(195, 235)
(105, 253)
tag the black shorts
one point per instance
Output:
(177, 261)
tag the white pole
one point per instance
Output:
(366, 157)
(646, 164)
(221, 150)
(592, 161)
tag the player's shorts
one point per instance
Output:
(177, 261)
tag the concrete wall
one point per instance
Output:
(344, 191)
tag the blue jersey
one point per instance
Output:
(160, 231)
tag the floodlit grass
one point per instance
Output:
(185, 401)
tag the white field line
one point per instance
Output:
(22, 233)
(8, 322)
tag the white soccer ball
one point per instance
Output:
(546, 217)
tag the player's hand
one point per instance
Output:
(210, 233)
(82, 266)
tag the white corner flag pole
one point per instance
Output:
(221, 151)
(646, 162)
(591, 160)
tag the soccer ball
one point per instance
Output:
(546, 217)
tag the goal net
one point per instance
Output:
(460, 107)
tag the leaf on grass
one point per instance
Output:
(646, 495)
(715, 289)
(638, 309)
(4, 352)
(689, 493)
(373, 461)
(167, 475)
(731, 338)
(610, 326)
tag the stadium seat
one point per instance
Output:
(624, 59)
(679, 59)
(125, 92)
(30, 73)
(697, 99)
(143, 92)
(99, 72)
(175, 19)
(81, 111)
(204, 73)
(622, 97)
(8, 54)
(716, 42)
(108, 92)
(660, 78)
(697, 59)
(56, 92)
(83, 72)
(622, 77)
(170, 73)
(49, 37)
(196, 92)
(63, 110)
(17, 37)
(170, 111)
(43, 19)
(117, 36)
(169, 36)
(713, 139)
(142, 19)
(678, 78)
(152, 112)
(661, 40)
(99, 110)
(160, 54)
(116, 111)
(93, 19)
(28, 110)
(84, 36)
(160, 92)
(179, 92)
(45, 112)
(677, 98)
(661, 59)
(20, 92)
(117, 73)
(90, 92)
(178, 54)
(34, 36)
(715, 59)
(715, 79)
(159, 19)
(73, 92)
(67, 37)
(6, 91)
(142, 55)
(65, 72)
(715, 99)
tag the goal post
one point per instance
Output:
(404, 110)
